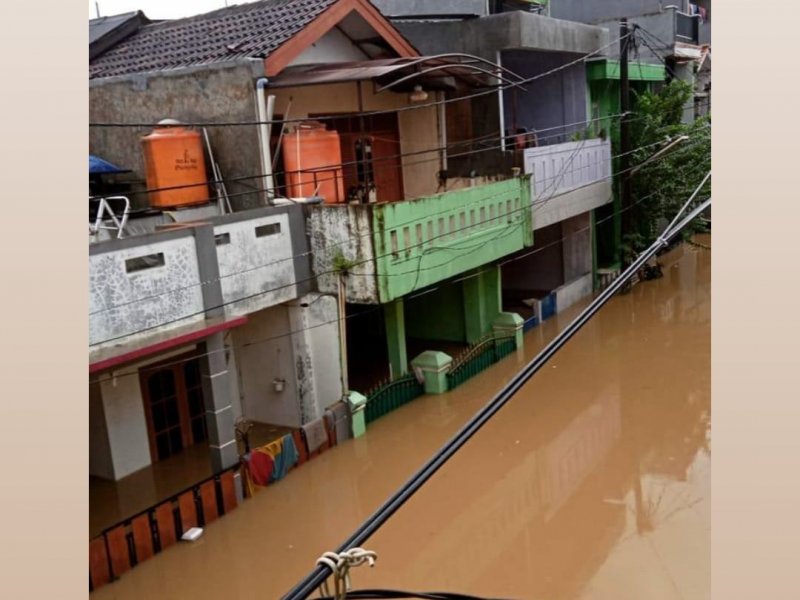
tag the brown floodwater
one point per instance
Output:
(593, 482)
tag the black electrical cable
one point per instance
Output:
(380, 594)
(310, 583)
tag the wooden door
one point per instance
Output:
(174, 408)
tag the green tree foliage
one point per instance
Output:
(661, 187)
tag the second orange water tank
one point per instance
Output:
(312, 156)
(173, 158)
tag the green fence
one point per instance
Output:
(389, 396)
(478, 357)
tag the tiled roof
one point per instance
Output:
(244, 31)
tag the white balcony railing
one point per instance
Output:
(561, 168)
(568, 179)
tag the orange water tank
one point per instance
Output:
(173, 157)
(312, 157)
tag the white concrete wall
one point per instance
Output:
(125, 421)
(577, 246)
(333, 47)
(264, 353)
(568, 179)
(314, 321)
(298, 343)
(249, 265)
(127, 426)
(573, 291)
(122, 303)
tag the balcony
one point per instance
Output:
(687, 28)
(389, 250)
(145, 286)
(568, 179)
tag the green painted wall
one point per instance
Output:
(603, 85)
(394, 317)
(424, 241)
(482, 302)
(438, 315)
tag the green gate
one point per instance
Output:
(387, 397)
(478, 357)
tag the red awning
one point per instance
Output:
(108, 358)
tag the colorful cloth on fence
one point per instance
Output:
(275, 450)
(315, 434)
(260, 465)
(286, 459)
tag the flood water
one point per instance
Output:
(593, 482)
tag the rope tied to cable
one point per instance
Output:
(341, 564)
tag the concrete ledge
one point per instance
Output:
(571, 204)
(574, 291)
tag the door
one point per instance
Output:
(174, 408)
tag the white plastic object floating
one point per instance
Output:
(192, 534)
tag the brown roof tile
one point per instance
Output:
(245, 31)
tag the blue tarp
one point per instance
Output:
(99, 166)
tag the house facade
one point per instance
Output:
(259, 302)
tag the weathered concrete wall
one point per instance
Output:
(573, 291)
(593, 12)
(101, 463)
(344, 233)
(541, 270)
(415, 8)
(122, 303)
(264, 353)
(514, 30)
(570, 204)
(260, 258)
(197, 95)
(549, 102)
(298, 343)
(256, 258)
(314, 322)
(577, 246)
(660, 24)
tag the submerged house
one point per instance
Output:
(557, 124)
(223, 302)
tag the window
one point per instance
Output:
(268, 229)
(142, 263)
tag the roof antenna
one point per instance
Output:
(97, 9)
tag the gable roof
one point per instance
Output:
(105, 32)
(255, 30)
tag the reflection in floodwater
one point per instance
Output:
(593, 482)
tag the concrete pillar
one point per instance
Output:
(508, 324)
(301, 337)
(357, 403)
(433, 366)
(213, 364)
(394, 318)
(685, 72)
(315, 342)
(217, 398)
(482, 302)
